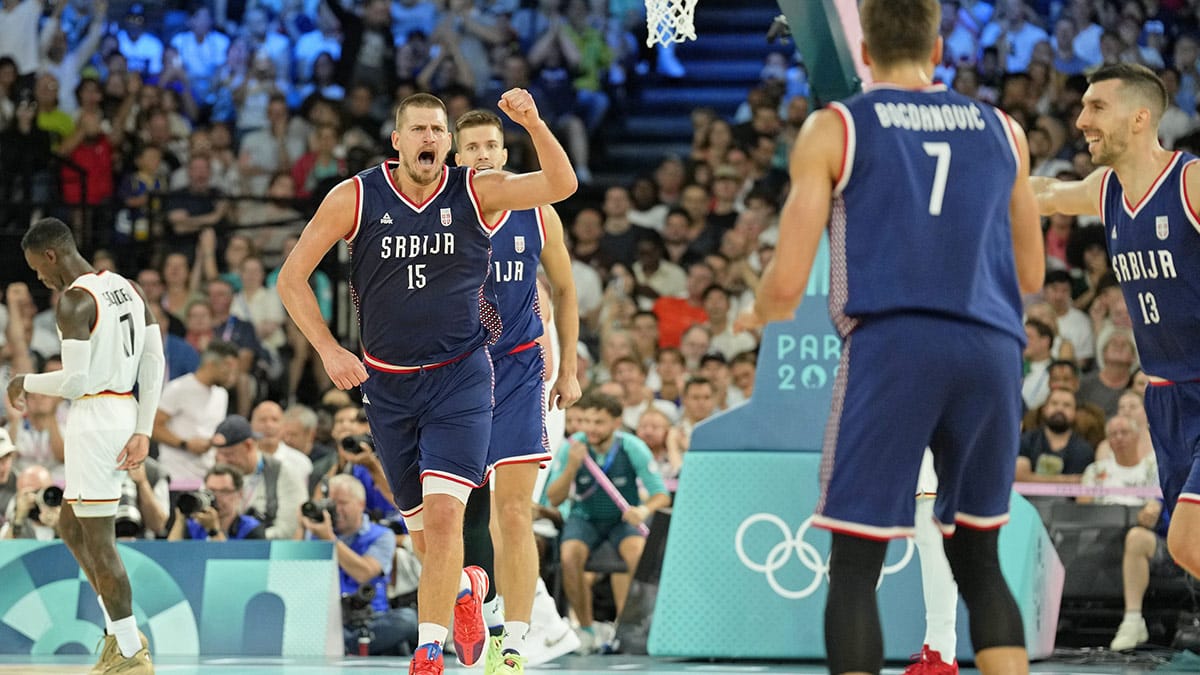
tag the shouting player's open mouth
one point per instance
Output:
(426, 159)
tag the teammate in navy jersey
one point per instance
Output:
(933, 234)
(1147, 198)
(519, 444)
(419, 238)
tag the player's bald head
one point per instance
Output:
(421, 100)
(1140, 86)
(898, 31)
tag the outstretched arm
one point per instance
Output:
(75, 315)
(503, 191)
(815, 164)
(1072, 197)
(334, 219)
(557, 263)
(1028, 246)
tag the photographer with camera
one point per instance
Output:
(364, 555)
(215, 513)
(145, 502)
(8, 479)
(34, 511)
(355, 455)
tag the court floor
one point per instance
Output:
(1068, 664)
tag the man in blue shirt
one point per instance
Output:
(365, 551)
(224, 519)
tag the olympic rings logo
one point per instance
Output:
(808, 555)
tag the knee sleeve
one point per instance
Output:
(853, 637)
(995, 618)
(477, 538)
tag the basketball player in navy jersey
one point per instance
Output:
(110, 342)
(1147, 198)
(419, 235)
(934, 235)
(519, 444)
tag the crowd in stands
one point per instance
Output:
(194, 138)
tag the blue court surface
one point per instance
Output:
(1068, 664)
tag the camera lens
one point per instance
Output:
(350, 444)
(52, 496)
(311, 511)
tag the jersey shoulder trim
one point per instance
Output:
(1187, 198)
(849, 143)
(358, 208)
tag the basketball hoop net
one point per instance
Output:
(669, 21)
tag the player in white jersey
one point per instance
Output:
(110, 343)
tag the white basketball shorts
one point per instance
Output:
(98, 427)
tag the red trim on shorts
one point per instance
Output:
(456, 479)
(524, 459)
(386, 367)
(1189, 499)
(107, 392)
(81, 500)
(520, 348)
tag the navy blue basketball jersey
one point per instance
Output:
(516, 252)
(1152, 246)
(928, 173)
(419, 271)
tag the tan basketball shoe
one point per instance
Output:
(111, 654)
(138, 664)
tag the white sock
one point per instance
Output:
(108, 625)
(493, 615)
(1134, 615)
(464, 582)
(431, 632)
(127, 636)
(937, 584)
(514, 636)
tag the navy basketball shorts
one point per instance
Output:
(435, 422)
(910, 381)
(519, 418)
(1174, 414)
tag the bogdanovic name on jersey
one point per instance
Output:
(415, 245)
(921, 117)
(1137, 265)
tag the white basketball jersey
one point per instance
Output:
(118, 334)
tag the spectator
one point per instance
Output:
(241, 333)
(267, 422)
(203, 52)
(18, 24)
(224, 519)
(272, 492)
(141, 196)
(8, 477)
(365, 552)
(1117, 363)
(64, 63)
(143, 51)
(699, 403)
(714, 367)
(1145, 555)
(299, 431)
(1089, 418)
(654, 428)
(678, 313)
(324, 83)
(647, 210)
(630, 373)
(259, 29)
(189, 411)
(1035, 386)
(89, 149)
(324, 39)
(725, 341)
(1123, 468)
(270, 149)
(695, 343)
(742, 370)
(199, 325)
(672, 374)
(1133, 406)
(368, 47)
(196, 207)
(1066, 61)
(260, 306)
(182, 358)
(594, 518)
(1073, 324)
(320, 164)
(652, 270)
(29, 514)
(1054, 453)
(679, 238)
(25, 151)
